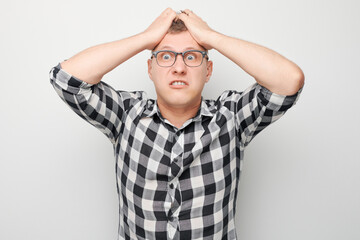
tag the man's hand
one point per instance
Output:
(275, 72)
(157, 30)
(198, 28)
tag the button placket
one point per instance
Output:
(173, 214)
(173, 191)
(172, 188)
(177, 153)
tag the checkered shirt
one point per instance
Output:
(174, 183)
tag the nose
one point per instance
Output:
(179, 65)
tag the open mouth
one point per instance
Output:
(178, 83)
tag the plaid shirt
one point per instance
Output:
(174, 183)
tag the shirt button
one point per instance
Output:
(175, 160)
(171, 186)
(171, 218)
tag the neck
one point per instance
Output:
(178, 115)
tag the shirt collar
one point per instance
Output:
(206, 109)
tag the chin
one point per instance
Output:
(179, 100)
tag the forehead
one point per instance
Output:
(178, 42)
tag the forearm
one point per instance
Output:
(91, 64)
(269, 68)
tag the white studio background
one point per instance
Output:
(301, 177)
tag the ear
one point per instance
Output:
(209, 69)
(149, 62)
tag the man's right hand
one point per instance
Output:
(157, 30)
(91, 64)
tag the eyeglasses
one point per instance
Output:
(191, 58)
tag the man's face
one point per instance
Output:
(188, 95)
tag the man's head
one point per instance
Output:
(178, 26)
(179, 85)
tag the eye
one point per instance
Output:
(166, 56)
(190, 57)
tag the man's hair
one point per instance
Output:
(177, 26)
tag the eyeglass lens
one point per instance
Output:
(191, 58)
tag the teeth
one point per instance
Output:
(178, 83)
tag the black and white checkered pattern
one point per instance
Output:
(175, 183)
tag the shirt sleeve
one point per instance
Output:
(99, 104)
(256, 108)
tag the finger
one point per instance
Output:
(188, 11)
(183, 17)
(190, 14)
(169, 13)
(182, 12)
(188, 20)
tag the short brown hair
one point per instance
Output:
(177, 26)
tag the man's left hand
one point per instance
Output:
(198, 28)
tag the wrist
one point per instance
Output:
(214, 39)
(152, 38)
(145, 39)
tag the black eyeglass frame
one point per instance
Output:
(203, 53)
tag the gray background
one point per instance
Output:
(301, 175)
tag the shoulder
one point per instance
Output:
(131, 98)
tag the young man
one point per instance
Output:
(178, 157)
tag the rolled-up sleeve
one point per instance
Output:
(256, 108)
(99, 104)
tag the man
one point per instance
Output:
(178, 158)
